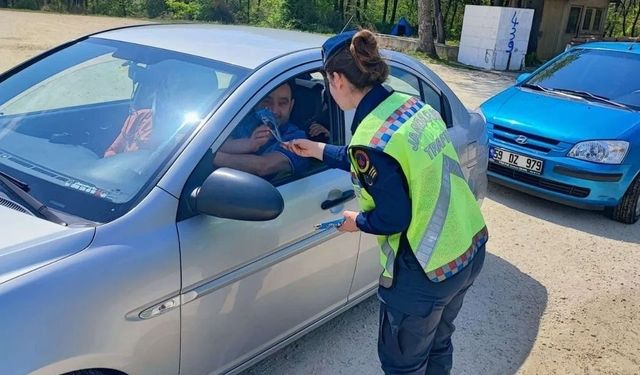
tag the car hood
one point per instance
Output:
(28, 242)
(561, 118)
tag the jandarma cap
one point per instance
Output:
(335, 43)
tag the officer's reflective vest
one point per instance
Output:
(447, 227)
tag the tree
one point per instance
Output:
(384, 12)
(393, 12)
(425, 28)
(437, 8)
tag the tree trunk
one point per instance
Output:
(393, 12)
(364, 6)
(437, 7)
(625, 9)
(453, 15)
(358, 10)
(635, 22)
(425, 28)
(384, 11)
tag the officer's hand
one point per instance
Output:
(260, 137)
(306, 148)
(349, 224)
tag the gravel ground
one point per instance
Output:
(560, 288)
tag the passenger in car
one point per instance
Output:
(253, 148)
(163, 107)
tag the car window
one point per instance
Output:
(90, 125)
(76, 86)
(610, 74)
(404, 82)
(295, 108)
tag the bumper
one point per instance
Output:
(565, 180)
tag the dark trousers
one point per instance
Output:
(421, 343)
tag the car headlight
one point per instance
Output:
(607, 152)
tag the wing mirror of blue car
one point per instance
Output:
(231, 194)
(522, 77)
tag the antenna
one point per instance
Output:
(346, 24)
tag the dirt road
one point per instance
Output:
(560, 289)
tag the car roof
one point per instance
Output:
(244, 46)
(613, 46)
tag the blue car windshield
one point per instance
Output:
(608, 74)
(89, 126)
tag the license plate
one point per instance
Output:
(516, 161)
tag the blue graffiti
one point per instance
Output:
(514, 23)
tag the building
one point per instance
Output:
(557, 22)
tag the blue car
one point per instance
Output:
(570, 131)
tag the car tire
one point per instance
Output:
(628, 210)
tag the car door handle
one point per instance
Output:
(346, 195)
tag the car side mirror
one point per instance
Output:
(231, 194)
(522, 77)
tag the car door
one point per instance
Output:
(250, 285)
(407, 81)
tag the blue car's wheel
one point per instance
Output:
(628, 211)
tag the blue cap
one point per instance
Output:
(335, 43)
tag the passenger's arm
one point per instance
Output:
(261, 165)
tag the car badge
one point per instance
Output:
(521, 139)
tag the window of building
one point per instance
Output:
(574, 19)
(586, 22)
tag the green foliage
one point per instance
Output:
(181, 10)
(26, 4)
(155, 8)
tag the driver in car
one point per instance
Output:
(253, 146)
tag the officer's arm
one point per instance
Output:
(260, 165)
(385, 182)
(336, 157)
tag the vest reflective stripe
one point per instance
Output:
(387, 250)
(393, 123)
(436, 223)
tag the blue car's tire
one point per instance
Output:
(628, 210)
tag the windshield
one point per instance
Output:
(88, 127)
(609, 74)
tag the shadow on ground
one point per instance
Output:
(593, 222)
(497, 327)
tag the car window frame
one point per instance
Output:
(308, 67)
(445, 106)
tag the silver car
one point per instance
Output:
(149, 260)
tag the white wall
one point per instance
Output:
(494, 36)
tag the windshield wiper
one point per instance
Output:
(535, 87)
(20, 189)
(594, 97)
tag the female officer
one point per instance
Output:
(414, 196)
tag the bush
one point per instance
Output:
(155, 8)
(183, 11)
(27, 4)
(216, 11)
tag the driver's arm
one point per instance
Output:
(261, 165)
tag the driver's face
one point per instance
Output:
(280, 102)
